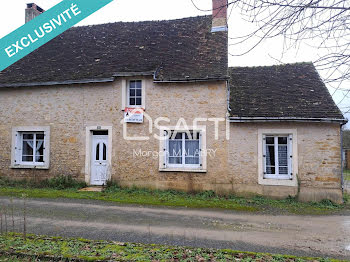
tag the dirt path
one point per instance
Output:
(298, 235)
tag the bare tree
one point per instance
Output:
(323, 24)
(326, 21)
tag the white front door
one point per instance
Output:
(99, 166)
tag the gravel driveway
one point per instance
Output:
(296, 235)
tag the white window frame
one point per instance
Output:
(164, 165)
(17, 143)
(21, 138)
(126, 92)
(279, 180)
(183, 156)
(289, 174)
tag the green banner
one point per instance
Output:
(45, 27)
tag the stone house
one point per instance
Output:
(346, 149)
(154, 104)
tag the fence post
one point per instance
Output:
(5, 213)
(13, 220)
(24, 218)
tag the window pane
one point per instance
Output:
(39, 153)
(98, 152)
(132, 84)
(270, 155)
(27, 158)
(176, 135)
(132, 92)
(39, 159)
(283, 170)
(282, 140)
(28, 136)
(39, 136)
(270, 159)
(270, 140)
(192, 148)
(132, 101)
(270, 170)
(27, 148)
(175, 152)
(175, 160)
(283, 160)
(282, 156)
(175, 148)
(138, 92)
(192, 160)
(138, 84)
(104, 151)
(138, 101)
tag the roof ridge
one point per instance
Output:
(144, 21)
(269, 66)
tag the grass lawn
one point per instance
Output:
(347, 174)
(206, 199)
(41, 248)
(66, 187)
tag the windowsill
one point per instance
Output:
(278, 182)
(135, 107)
(190, 170)
(274, 177)
(28, 167)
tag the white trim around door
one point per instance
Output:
(89, 148)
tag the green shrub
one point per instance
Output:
(346, 198)
(59, 182)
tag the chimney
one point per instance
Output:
(33, 11)
(219, 16)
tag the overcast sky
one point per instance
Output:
(268, 53)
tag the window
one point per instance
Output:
(135, 93)
(30, 147)
(183, 149)
(104, 152)
(277, 156)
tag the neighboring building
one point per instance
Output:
(272, 131)
(346, 148)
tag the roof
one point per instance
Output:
(175, 50)
(287, 91)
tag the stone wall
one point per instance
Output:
(68, 110)
(319, 165)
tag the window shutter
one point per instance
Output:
(143, 93)
(17, 156)
(290, 150)
(264, 155)
(124, 95)
(200, 150)
(44, 148)
(165, 149)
